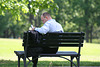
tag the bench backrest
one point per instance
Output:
(63, 39)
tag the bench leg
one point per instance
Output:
(72, 60)
(78, 61)
(24, 59)
(18, 61)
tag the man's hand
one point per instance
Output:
(30, 28)
(33, 28)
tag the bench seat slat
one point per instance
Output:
(63, 45)
(59, 53)
(65, 33)
(62, 53)
(63, 37)
(64, 40)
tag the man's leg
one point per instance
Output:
(35, 61)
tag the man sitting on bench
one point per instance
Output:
(50, 25)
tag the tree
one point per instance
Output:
(84, 13)
(18, 9)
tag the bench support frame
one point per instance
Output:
(64, 57)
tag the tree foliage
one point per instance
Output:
(18, 19)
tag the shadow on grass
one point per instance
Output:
(8, 63)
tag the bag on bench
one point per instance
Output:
(32, 38)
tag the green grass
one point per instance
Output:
(96, 41)
(7, 48)
(90, 54)
(8, 63)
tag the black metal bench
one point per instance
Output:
(66, 39)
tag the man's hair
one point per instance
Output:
(46, 14)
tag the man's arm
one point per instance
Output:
(44, 29)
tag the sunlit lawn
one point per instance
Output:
(89, 52)
(7, 47)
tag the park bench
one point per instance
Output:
(65, 39)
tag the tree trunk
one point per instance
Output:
(35, 22)
(79, 29)
(6, 33)
(39, 21)
(91, 33)
(31, 17)
(87, 32)
(14, 35)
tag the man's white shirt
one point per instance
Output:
(50, 26)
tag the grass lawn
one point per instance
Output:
(8, 63)
(90, 54)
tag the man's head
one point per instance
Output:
(45, 17)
